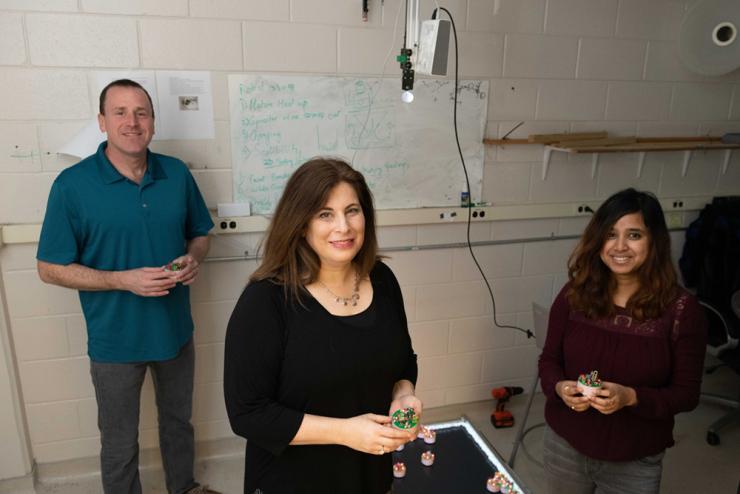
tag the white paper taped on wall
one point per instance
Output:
(709, 43)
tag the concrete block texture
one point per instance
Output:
(82, 41)
(430, 338)
(701, 101)
(137, 7)
(506, 182)
(638, 101)
(191, 44)
(611, 59)
(512, 16)
(40, 5)
(657, 19)
(23, 197)
(12, 43)
(291, 48)
(364, 51)
(334, 12)
(19, 148)
(581, 17)
(513, 99)
(572, 100)
(44, 94)
(538, 56)
(267, 10)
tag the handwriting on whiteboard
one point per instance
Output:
(406, 152)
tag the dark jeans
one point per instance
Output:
(568, 471)
(118, 393)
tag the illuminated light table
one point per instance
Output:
(463, 462)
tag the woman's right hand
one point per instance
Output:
(568, 392)
(371, 433)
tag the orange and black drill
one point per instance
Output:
(501, 418)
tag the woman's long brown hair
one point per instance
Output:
(288, 259)
(592, 285)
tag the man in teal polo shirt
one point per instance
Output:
(128, 228)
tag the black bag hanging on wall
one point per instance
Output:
(710, 261)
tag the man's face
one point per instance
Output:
(128, 121)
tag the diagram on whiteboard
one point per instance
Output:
(407, 152)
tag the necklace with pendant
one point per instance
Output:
(352, 299)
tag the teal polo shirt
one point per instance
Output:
(98, 218)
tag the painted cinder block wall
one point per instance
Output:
(558, 65)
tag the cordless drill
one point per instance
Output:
(499, 417)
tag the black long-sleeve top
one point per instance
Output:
(284, 360)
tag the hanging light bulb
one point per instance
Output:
(407, 96)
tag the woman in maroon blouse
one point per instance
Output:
(623, 314)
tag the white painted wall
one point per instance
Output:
(559, 65)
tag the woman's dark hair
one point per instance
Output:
(592, 285)
(289, 259)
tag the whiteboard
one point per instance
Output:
(407, 152)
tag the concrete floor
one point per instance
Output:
(691, 466)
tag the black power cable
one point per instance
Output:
(467, 182)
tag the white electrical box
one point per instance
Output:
(434, 43)
(233, 209)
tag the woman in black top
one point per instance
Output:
(318, 353)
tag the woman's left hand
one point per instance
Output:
(407, 401)
(613, 397)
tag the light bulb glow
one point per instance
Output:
(407, 96)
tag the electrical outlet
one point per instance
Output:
(583, 209)
(240, 224)
(226, 225)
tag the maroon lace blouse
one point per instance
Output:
(662, 359)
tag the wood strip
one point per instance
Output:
(569, 142)
(653, 146)
(611, 141)
(578, 136)
(504, 142)
(680, 139)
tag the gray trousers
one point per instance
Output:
(118, 394)
(568, 471)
